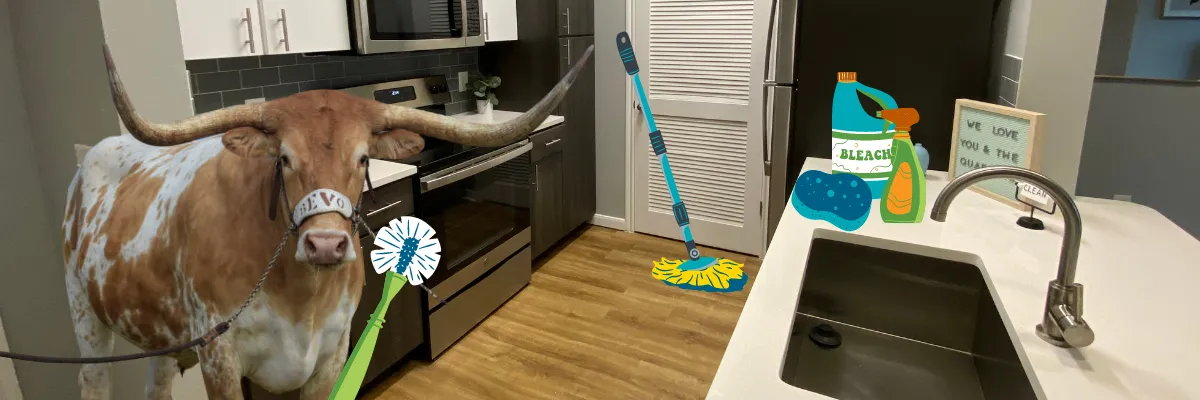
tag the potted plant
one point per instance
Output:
(483, 88)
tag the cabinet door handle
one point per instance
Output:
(373, 213)
(567, 59)
(485, 26)
(249, 30)
(287, 43)
(568, 15)
(553, 142)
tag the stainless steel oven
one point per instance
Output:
(480, 209)
(478, 201)
(385, 26)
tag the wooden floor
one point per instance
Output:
(593, 324)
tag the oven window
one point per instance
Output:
(474, 215)
(415, 19)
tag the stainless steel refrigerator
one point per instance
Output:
(924, 53)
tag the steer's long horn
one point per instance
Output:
(487, 135)
(183, 131)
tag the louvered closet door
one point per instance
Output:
(702, 66)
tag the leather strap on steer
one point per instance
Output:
(322, 201)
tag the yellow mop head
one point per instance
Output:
(721, 275)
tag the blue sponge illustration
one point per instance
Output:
(843, 200)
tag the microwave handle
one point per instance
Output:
(428, 184)
(466, 18)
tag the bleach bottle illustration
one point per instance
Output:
(862, 144)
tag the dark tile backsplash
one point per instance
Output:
(224, 82)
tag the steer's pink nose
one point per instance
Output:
(325, 248)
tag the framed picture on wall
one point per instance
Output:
(1181, 8)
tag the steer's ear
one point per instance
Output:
(250, 142)
(396, 144)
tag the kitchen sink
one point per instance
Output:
(873, 323)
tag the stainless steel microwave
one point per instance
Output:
(386, 26)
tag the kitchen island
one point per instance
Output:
(1139, 270)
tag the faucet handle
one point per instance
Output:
(1075, 331)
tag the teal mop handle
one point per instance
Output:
(625, 48)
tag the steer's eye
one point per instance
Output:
(363, 161)
(285, 160)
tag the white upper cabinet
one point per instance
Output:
(499, 20)
(219, 28)
(304, 26)
(232, 28)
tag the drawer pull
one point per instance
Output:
(372, 213)
(553, 141)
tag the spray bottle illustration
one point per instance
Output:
(903, 198)
(696, 273)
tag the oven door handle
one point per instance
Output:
(430, 183)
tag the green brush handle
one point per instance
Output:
(355, 370)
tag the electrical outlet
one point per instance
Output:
(462, 81)
(1123, 197)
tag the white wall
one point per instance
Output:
(1017, 26)
(146, 45)
(611, 107)
(1056, 79)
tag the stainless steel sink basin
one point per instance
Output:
(910, 327)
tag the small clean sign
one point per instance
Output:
(1035, 196)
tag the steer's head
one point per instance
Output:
(322, 140)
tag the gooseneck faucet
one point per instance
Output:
(1062, 320)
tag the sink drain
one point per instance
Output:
(825, 336)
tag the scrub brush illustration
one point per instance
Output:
(408, 253)
(707, 274)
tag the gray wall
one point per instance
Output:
(611, 106)
(1139, 143)
(32, 303)
(1008, 48)
(66, 99)
(1116, 37)
(1163, 48)
(1056, 79)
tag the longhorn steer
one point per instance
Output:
(166, 231)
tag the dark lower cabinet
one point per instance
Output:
(579, 148)
(553, 36)
(547, 220)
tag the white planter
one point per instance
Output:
(483, 107)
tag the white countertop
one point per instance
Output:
(1140, 272)
(385, 172)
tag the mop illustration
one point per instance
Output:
(707, 274)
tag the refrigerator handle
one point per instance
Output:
(781, 42)
(768, 129)
(777, 123)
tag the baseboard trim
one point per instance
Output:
(609, 222)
